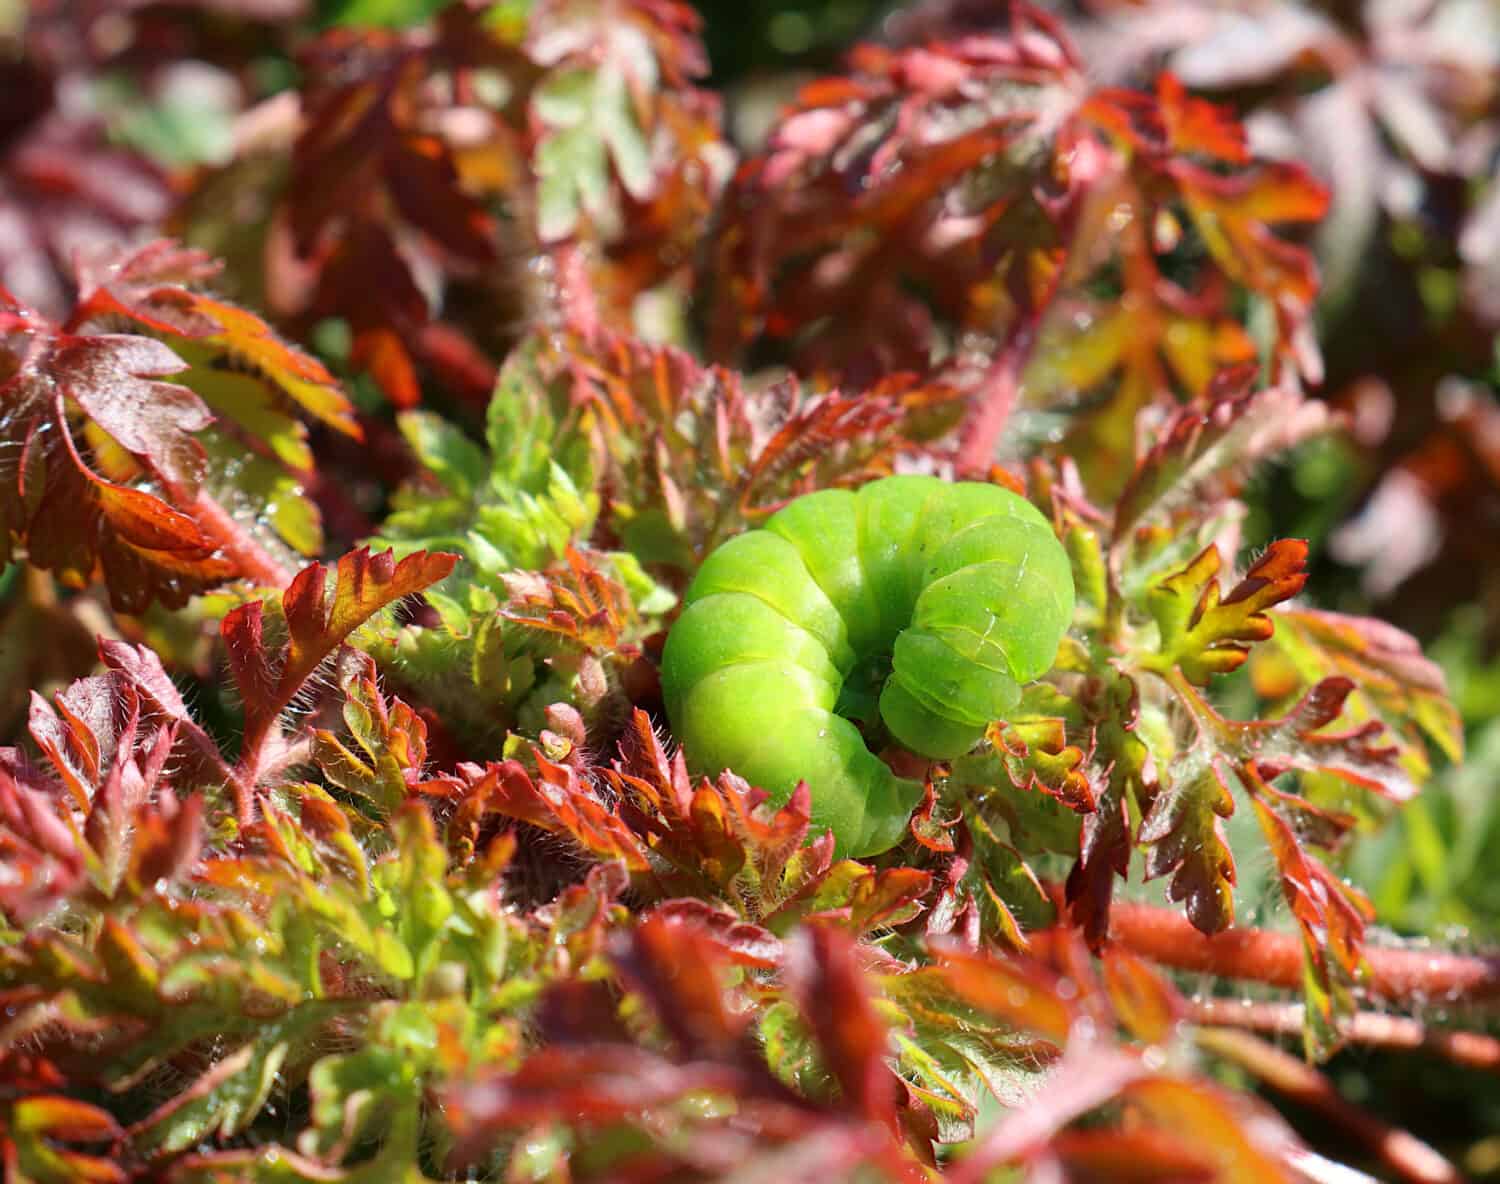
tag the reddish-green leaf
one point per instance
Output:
(1393, 682)
(246, 374)
(825, 979)
(558, 800)
(1184, 836)
(1204, 633)
(317, 622)
(31, 1128)
(84, 417)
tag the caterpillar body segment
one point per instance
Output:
(937, 600)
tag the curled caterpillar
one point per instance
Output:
(914, 608)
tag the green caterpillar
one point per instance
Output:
(933, 601)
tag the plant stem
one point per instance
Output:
(1474, 1050)
(997, 399)
(1403, 1153)
(1259, 955)
(254, 561)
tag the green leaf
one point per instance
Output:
(457, 462)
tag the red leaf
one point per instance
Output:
(680, 968)
(143, 669)
(560, 801)
(148, 286)
(581, 603)
(67, 396)
(1331, 915)
(743, 943)
(1104, 854)
(824, 976)
(317, 624)
(723, 836)
(593, 1085)
(34, 1123)
(1144, 1156)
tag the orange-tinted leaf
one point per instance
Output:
(1104, 855)
(1019, 991)
(317, 624)
(30, 1128)
(1146, 1004)
(148, 286)
(744, 943)
(1142, 1156)
(391, 740)
(720, 836)
(1243, 1143)
(581, 603)
(58, 389)
(1038, 758)
(1393, 682)
(559, 801)
(594, 1084)
(1202, 634)
(1331, 914)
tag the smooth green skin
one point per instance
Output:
(965, 586)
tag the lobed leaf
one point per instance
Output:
(317, 623)
(1392, 682)
(1184, 835)
(65, 398)
(1202, 633)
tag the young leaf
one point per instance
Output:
(317, 623)
(1184, 835)
(391, 740)
(825, 979)
(363, 166)
(245, 373)
(1393, 682)
(562, 803)
(1203, 634)
(32, 1129)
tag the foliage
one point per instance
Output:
(341, 834)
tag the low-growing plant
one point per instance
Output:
(573, 656)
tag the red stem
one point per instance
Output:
(1404, 1154)
(255, 563)
(572, 295)
(1167, 937)
(996, 399)
(258, 566)
(1474, 1050)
